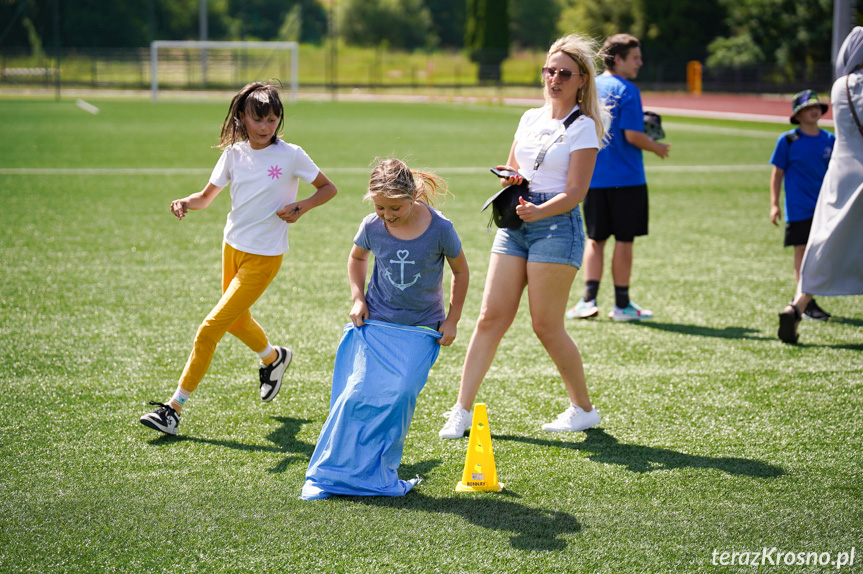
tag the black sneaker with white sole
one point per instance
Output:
(814, 312)
(164, 419)
(271, 375)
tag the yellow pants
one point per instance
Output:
(244, 278)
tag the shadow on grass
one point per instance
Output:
(284, 438)
(636, 458)
(846, 321)
(535, 529)
(745, 332)
(700, 331)
(833, 320)
(802, 344)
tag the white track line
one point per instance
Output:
(717, 130)
(672, 126)
(347, 170)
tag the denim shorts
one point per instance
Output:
(555, 239)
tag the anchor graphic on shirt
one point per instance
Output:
(402, 255)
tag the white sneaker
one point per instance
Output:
(164, 418)
(573, 419)
(271, 375)
(631, 312)
(458, 421)
(583, 309)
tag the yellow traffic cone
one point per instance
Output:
(480, 473)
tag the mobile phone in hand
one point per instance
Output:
(504, 172)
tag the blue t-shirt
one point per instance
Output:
(406, 286)
(804, 161)
(620, 164)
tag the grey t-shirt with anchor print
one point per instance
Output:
(406, 287)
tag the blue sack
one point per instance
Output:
(379, 372)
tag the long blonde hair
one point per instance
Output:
(583, 52)
(393, 179)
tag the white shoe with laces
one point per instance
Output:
(164, 419)
(458, 421)
(573, 419)
(583, 310)
(271, 375)
(631, 312)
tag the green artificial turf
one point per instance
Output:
(716, 437)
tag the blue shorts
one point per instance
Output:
(555, 239)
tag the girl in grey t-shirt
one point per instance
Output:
(410, 241)
(394, 337)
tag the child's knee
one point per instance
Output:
(208, 334)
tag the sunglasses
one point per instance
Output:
(563, 74)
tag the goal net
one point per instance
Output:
(199, 65)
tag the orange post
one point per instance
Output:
(693, 77)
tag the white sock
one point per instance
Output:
(180, 397)
(266, 352)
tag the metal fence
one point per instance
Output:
(322, 68)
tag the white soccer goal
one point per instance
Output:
(221, 64)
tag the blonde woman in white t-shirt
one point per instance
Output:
(264, 173)
(545, 253)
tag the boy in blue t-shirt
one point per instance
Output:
(800, 158)
(616, 203)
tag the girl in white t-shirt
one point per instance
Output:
(264, 172)
(545, 253)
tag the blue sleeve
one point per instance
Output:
(451, 242)
(780, 154)
(361, 239)
(631, 112)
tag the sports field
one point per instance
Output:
(716, 437)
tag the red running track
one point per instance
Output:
(770, 108)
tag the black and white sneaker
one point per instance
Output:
(164, 419)
(271, 375)
(814, 312)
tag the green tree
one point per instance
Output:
(403, 24)
(487, 36)
(678, 31)
(534, 24)
(24, 23)
(448, 21)
(786, 32)
(600, 19)
(671, 32)
(133, 23)
(736, 52)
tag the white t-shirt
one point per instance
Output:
(534, 128)
(262, 182)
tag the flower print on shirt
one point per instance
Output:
(274, 172)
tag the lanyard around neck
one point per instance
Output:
(560, 131)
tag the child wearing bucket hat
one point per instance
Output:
(800, 159)
(803, 100)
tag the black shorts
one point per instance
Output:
(797, 232)
(618, 211)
